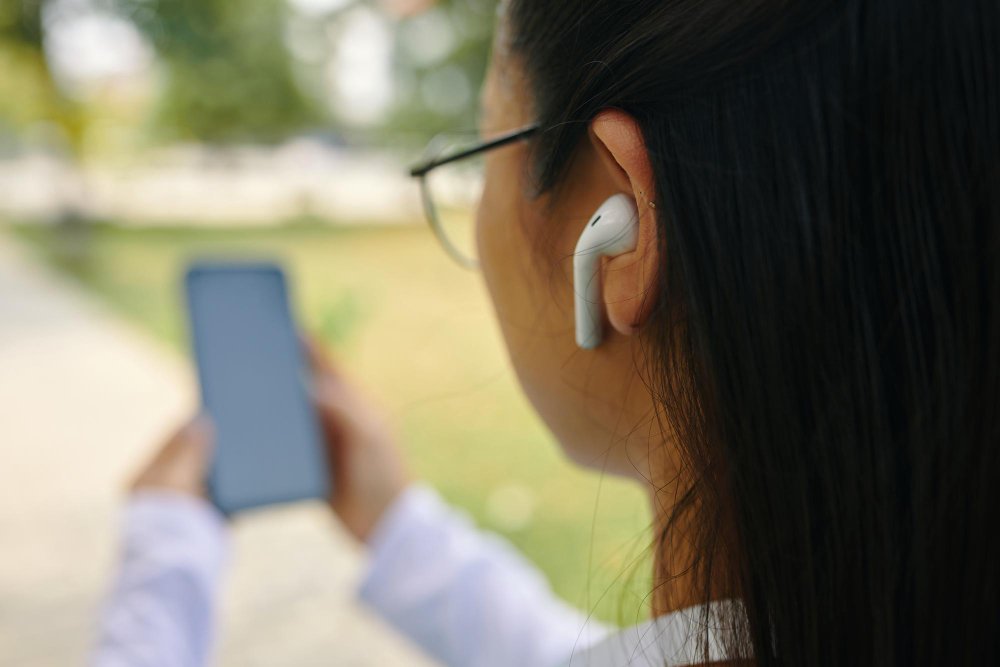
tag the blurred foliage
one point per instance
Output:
(28, 93)
(232, 72)
(229, 74)
(440, 61)
(21, 21)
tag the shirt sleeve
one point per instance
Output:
(160, 610)
(466, 596)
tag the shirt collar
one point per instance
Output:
(690, 636)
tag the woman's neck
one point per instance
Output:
(681, 574)
(678, 578)
(675, 581)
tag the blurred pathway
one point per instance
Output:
(83, 399)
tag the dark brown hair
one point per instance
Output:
(828, 198)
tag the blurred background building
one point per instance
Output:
(135, 134)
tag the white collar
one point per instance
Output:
(676, 638)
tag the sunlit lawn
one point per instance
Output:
(418, 332)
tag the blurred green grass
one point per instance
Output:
(418, 333)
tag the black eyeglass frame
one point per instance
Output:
(421, 171)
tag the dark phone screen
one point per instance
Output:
(253, 376)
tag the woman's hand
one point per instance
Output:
(365, 465)
(181, 464)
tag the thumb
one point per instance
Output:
(333, 400)
(192, 445)
(182, 462)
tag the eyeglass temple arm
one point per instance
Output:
(504, 139)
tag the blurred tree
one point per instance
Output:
(21, 20)
(441, 56)
(28, 92)
(229, 73)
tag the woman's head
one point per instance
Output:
(804, 338)
(592, 400)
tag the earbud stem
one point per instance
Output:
(612, 230)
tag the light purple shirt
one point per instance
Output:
(467, 597)
(162, 604)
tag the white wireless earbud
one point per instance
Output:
(612, 230)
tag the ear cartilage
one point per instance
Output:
(611, 231)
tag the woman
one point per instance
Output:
(799, 358)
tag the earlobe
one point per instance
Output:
(629, 280)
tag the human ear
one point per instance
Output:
(629, 279)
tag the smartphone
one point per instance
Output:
(254, 378)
